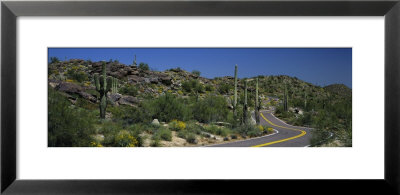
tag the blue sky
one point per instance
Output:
(320, 66)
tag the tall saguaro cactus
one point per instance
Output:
(103, 86)
(257, 105)
(235, 96)
(114, 88)
(305, 100)
(134, 61)
(245, 103)
(285, 99)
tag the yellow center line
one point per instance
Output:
(282, 140)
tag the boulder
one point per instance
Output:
(153, 80)
(155, 122)
(54, 83)
(134, 79)
(72, 88)
(128, 100)
(166, 80)
(114, 98)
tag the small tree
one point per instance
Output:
(196, 72)
(54, 60)
(143, 66)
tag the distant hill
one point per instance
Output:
(339, 89)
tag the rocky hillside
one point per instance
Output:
(75, 79)
(339, 89)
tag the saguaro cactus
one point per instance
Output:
(103, 86)
(245, 103)
(134, 61)
(114, 88)
(305, 100)
(285, 99)
(235, 92)
(257, 105)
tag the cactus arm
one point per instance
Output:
(97, 82)
(108, 84)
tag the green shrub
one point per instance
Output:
(143, 66)
(193, 86)
(128, 115)
(211, 109)
(54, 60)
(81, 102)
(155, 142)
(177, 125)
(191, 138)
(167, 107)
(68, 126)
(125, 139)
(224, 88)
(209, 87)
(129, 90)
(196, 72)
(248, 130)
(164, 134)
(194, 128)
(222, 131)
(77, 75)
(211, 129)
(182, 134)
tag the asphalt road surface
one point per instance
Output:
(287, 135)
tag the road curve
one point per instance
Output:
(287, 136)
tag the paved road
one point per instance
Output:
(287, 136)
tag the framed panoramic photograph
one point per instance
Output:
(199, 97)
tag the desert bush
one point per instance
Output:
(209, 87)
(77, 75)
(248, 130)
(128, 115)
(196, 72)
(167, 107)
(125, 139)
(224, 88)
(191, 138)
(194, 128)
(164, 134)
(177, 125)
(211, 109)
(54, 60)
(193, 86)
(143, 66)
(182, 134)
(129, 90)
(81, 102)
(68, 126)
(95, 144)
(155, 142)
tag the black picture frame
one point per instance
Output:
(10, 10)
